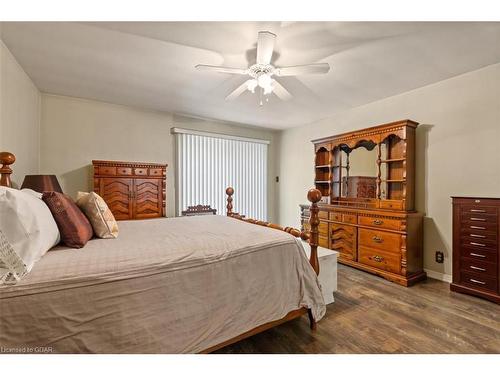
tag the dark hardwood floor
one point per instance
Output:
(372, 315)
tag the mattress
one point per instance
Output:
(171, 285)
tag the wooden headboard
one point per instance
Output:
(6, 159)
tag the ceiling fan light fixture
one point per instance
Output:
(262, 71)
(264, 80)
(269, 88)
(251, 85)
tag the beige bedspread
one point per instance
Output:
(163, 286)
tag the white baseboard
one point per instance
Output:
(438, 275)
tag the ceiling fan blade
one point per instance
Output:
(321, 68)
(238, 91)
(280, 91)
(221, 69)
(265, 47)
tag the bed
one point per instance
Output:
(169, 285)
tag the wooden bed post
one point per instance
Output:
(229, 207)
(314, 196)
(6, 159)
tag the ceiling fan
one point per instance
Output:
(261, 73)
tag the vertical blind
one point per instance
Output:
(207, 164)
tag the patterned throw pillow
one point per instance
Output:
(75, 228)
(98, 213)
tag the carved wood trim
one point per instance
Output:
(127, 164)
(403, 255)
(199, 209)
(371, 133)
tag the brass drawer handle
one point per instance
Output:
(377, 239)
(478, 255)
(477, 219)
(477, 235)
(378, 258)
(474, 227)
(482, 211)
(477, 281)
(378, 222)
(477, 244)
(477, 268)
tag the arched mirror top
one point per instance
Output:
(369, 145)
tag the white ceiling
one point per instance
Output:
(151, 65)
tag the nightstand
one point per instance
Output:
(327, 270)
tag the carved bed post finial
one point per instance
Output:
(229, 192)
(6, 159)
(314, 196)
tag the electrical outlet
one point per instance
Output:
(277, 178)
(439, 257)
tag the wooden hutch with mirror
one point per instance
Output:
(367, 182)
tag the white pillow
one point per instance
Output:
(27, 231)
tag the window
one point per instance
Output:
(208, 163)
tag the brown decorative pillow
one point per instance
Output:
(74, 227)
(98, 213)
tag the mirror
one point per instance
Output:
(359, 178)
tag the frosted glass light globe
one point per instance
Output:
(251, 85)
(264, 81)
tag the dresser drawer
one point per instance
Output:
(480, 226)
(380, 240)
(472, 234)
(478, 244)
(391, 204)
(323, 242)
(479, 267)
(109, 171)
(141, 171)
(479, 254)
(476, 240)
(468, 217)
(380, 222)
(335, 216)
(156, 172)
(121, 171)
(384, 260)
(343, 240)
(323, 228)
(485, 210)
(349, 218)
(474, 280)
(323, 215)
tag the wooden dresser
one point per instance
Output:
(476, 249)
(379, 232)
(132, 190)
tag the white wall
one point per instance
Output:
(75, 131)
(19, 116)
(457, 150)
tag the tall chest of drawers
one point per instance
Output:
(476, 227)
